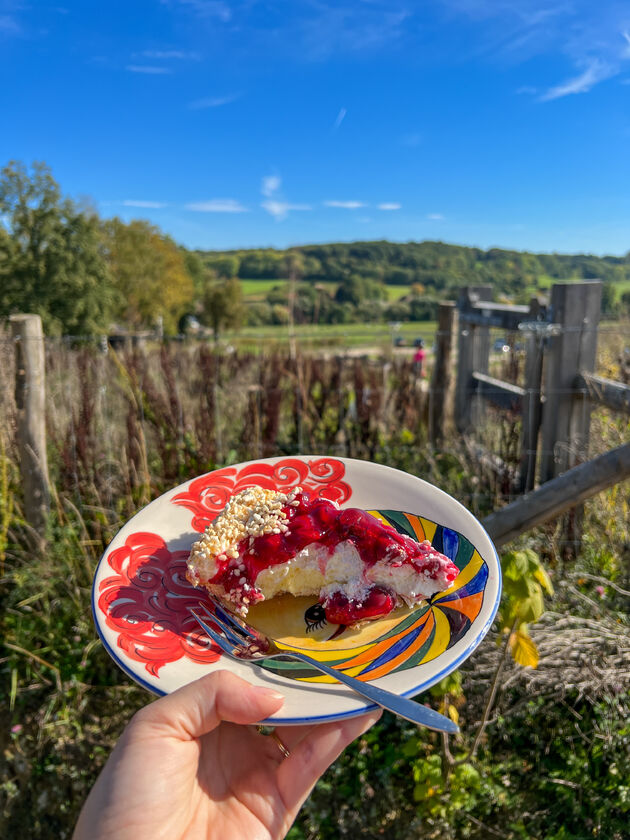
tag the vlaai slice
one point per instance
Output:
(265, 543)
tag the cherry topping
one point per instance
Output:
(320, 521)
(341, 610)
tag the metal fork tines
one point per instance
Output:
(243, 643)
(233, 639)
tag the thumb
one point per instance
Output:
(200, 706)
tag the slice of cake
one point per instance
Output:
(265, 543)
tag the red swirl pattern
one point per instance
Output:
(146, 603)
(208, 495)
(146, 600)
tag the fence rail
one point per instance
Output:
(606, 392)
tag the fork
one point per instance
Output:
(243, 643)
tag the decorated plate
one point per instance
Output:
(141, 597)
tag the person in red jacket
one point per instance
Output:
(419, 357)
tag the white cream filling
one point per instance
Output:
(315, 571)
(312, 570)
(404, 580)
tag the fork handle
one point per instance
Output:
(401, 706)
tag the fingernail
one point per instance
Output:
(271, 693)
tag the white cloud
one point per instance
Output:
(217, 205)
(270, 185)
(212, 102)
(280, 209)
(166, 55)
(596, 72)
(148, 69)
(340, 118)
(435, 217)
(9, 25)
(205, 8)
(389, 205)
(155, 205)
(345, 205)
(593, 37)
(323, 29)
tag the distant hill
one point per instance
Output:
(436, 266)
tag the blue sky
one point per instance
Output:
(242, 123)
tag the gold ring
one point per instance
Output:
(271, 730)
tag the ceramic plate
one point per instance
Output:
(141, 597)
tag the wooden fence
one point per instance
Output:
(559, 387)
(554, 403)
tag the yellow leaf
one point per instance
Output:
(524, 651)
(544, 580)
(453, 714)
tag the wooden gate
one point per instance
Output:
(559, 340)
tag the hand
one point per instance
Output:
(187, 767)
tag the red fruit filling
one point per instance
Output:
(319, 521)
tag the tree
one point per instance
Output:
(611, 306)
(355, 289)
(149, 275)
(196, 269)
(51, 256)
(227, 266)
(223, 305)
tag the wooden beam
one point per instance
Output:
(501, 315)
(559, 495)
(441, 392)
(532, 410)
(30, 398)
(575, 308)
(473, 341)
(496, 391)
(605, 392)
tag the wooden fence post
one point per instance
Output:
(472, 352)
(440, 395)
(575, 309)
(30, 397)
(575, 312)
(531, 409)
(254, 414)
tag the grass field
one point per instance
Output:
(622, 287)
(397, 292)
(546, 282)
(335, 335)
(257, 290)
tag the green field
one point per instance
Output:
(339, 336)
(545, 282)
(257, 290)
(397, 292)
(621, 288)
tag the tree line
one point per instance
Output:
(434, 264)
(86, 275)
